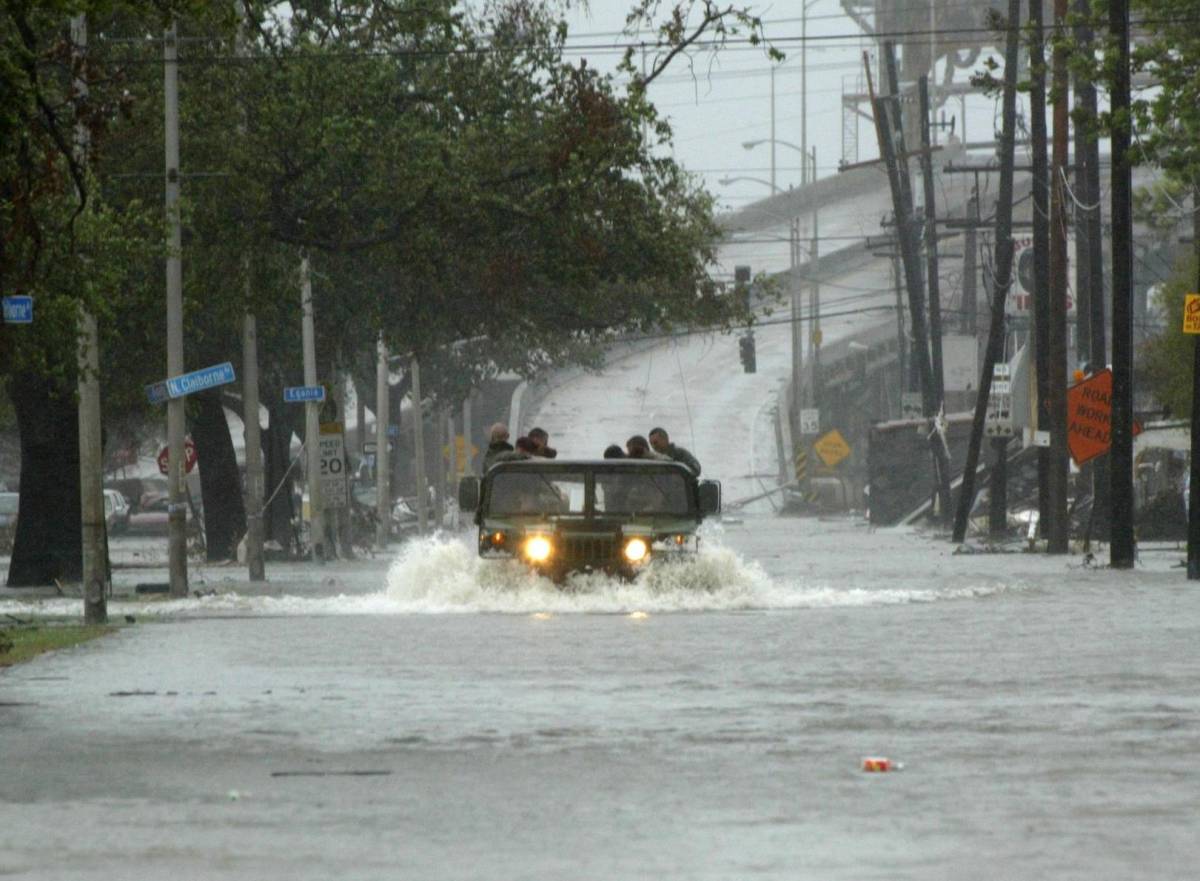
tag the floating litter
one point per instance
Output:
(638, 616)
(541, 616)
(879, 764)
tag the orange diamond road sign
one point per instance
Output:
(1191, 313)
(832, 448)
(1089, 417)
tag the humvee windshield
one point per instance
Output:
(641, 494)
(515, 492)
(565, 492)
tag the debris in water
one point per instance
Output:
(880, 764)
(638, 616)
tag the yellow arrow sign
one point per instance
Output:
(1191, 313)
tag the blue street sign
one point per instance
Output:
(199, 380)
(393, 431)
(299, 394)
(18, 310)
(157, 392)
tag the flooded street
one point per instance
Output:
(462, 722)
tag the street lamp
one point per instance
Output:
(726, 181)
(807, 163)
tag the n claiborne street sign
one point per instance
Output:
(18, 309)
(1089, 417)
(190, 383)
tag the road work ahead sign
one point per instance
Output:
(1089, 417)
(1191, 313)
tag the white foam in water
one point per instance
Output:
(441, 575)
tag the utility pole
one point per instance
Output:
(254, 465)
(419, 449)
(1041, 244)
(889, 130)
(970, 318)
(1058, 533)
(1087, 153)
(1004, 260)
(814, 253)
(1193, 544)
(255, 493)
(312, 426)
(774, 189)
(176, 502)
(383, 465)
(468, 436)
(87, 354)
(797, 333)
(1121, 547)
(933, 283)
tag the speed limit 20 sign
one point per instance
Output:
(333, 466)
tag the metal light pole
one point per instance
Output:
(773, 186)
(176, 504)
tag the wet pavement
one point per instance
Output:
(445, 719)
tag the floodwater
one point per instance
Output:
(462, 720)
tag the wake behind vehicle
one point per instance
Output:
(611, 515)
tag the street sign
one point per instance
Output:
(832, 448)
(1089, 417)
(998, 421)
(300, 394)
(333, 466)
(156, 392)
(189, 457)
(369, 448)
(18, 309)
(393, 431)
(911, 405)
(810, 421)
(1191, 313)
(196, 381)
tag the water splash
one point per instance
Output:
(444, 575)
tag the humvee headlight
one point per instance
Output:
(538, 549)
(636, 550)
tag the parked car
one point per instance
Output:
(150, 516)
(9, 502)
(116, 512)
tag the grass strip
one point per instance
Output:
(21, 642)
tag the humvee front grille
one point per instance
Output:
(589, 549)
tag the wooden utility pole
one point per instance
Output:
(1193, 544)
(176, 502)
(96, 579)
(1041, 244)
(1058, 467)
(1004, 260)
(1121, 548)
(1088, 229)
(889, 131)
(255, 492)
(941, 462)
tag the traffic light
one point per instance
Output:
(741, 285)
(746, 352)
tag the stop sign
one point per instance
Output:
(189, 457)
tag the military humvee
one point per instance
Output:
(612, 515)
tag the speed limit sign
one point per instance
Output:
(333, 466)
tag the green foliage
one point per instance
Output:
(460, 186)
(1166, 363)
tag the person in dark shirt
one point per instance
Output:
(541, 444)
(661, 441)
